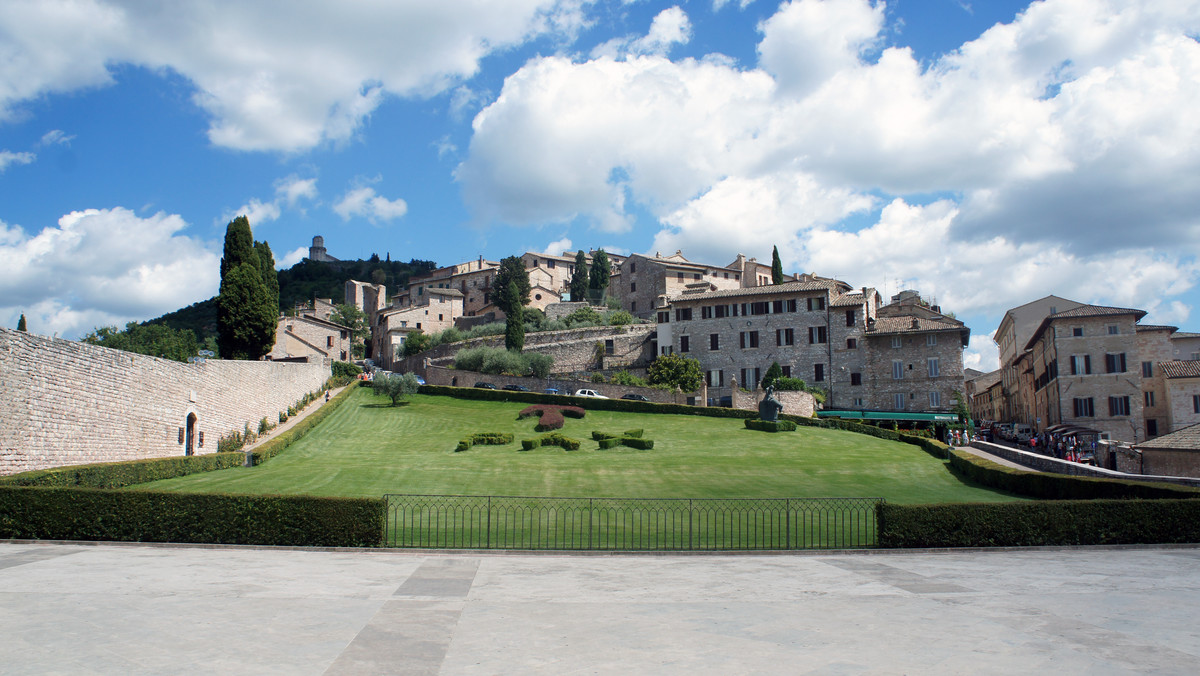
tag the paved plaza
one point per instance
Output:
(145, 609)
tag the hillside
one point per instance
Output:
(301, 283)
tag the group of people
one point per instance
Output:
(958, 438)
(1067, 448)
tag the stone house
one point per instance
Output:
(311, 337)
(1011, 335)
(1181, 383)
(914, 357)
(1174, 454)
(985, 395)
(643, 279)
(393, 325)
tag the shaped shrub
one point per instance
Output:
(609, 442)
(640, 444)
(484, 439)
(770, 425)
(551, 416)
(552, 439)
(636, 434)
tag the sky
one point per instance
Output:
(984, 153)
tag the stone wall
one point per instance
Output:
(794, 403)
(69, 403)
(437, 375)
(1045, 463)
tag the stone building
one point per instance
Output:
(317, 252)
(985, 396)
(310, 337)
(437, 312)
(914, 357)
(1174, 454)
(1011, 335)
(1182, 386)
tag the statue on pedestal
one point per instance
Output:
(769, 407)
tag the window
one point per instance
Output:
(787, 370)
(760, 308)
(714, 341)
(679, 276)
(684, 345)
(816, 334)
(1081, 364)
(1077, 331)
(897, 341)
(791, 305)
(696, 276)
(851, 344)
(1113, 330)
(819, 373)
(1118, 405)
(1147, 369)
(608, 346)
(934, 368)
(632, 268)
(898, 402)
(935, 399)
(816, 304)
(754, 339)
(664, 317)
(1151, 428)
(776, 306)
(632, 286)
(785, 337)
(722, 311)
(849, 317)
(440, 316)
(633, 306)
(1148, 398)
(931, 340)
(1115, 363)
(860, 402)
(1084, 408)
(1196, 403)
(856, 379)
(706, 312)
(716, 378)
(683, 314)
(897, 370)
(550, 264)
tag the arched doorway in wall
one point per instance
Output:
(190, 435)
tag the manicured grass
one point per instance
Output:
(368, 448)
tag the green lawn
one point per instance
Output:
(367, 448)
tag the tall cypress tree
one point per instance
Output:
(512, 271)
(266, 267)
(247, 311)
(514, 321)
(579, 280)
(600, 274)
(776, 267)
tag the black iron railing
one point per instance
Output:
(628, 524)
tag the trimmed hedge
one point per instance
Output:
(630, 438)
(128, 473)
(1060, 486)
(552, 439)
(52, 513)
(275, 446)
(609, 442)
(485, 439)
(636, 434)
(770, 425)
(1039, 524)
(640, 444)
(551, 416)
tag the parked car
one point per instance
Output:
(590, 393)
(485, 386)
(635, 397)
(515, 388)
(550, 390)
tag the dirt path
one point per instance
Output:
(291, 422)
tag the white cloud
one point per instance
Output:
(669, 27)
(981, 354)
(292, 257)
(10, 158)
(807, 42)
(293, 188)
(103, 267)
(269, 80)
(255, 211)
(364, 202)
(56, 137)
(558, 246)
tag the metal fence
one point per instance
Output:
(629, 524)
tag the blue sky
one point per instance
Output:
(984, 153)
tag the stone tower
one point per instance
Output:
(316, 252)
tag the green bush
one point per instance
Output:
(1049, 486)
(53, 513)
(530, 444)
(485, 439)
(642, 444)
(539, 364)
(636, 434)
(128, 473)
(283, 417)
(1039, 524)
(552, 439)
(609, 442)
(770, 425)
(597, 435)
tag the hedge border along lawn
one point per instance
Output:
(484, 439)
(273, 447)
(1048, 486)
(1039, 524)
(50, 513)
(128, 473)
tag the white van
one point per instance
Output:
(1022, 433)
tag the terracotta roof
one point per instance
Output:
(848, 300)
(1186, 439)
(455, 293)
(787, 287)
(1180, 369)
(885, 325)
(1185, 334)
(1155, 327)
(1097, 311)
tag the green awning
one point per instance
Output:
(890, 415)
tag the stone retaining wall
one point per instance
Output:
(794, 403)
(70, 403)
(1045, 463)
(437, 375)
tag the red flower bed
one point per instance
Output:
(551, 416)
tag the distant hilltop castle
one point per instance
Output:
(316, 252)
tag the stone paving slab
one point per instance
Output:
(70, 608)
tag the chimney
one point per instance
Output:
(915, 323)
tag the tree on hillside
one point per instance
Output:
(676, 371)
(512, 271)
(394, 385)
(21, 322)
(247, 312)
(776, 267)
(774, 373)
(600, 274)
(579, 279)
(155, 340)
(514, 322)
